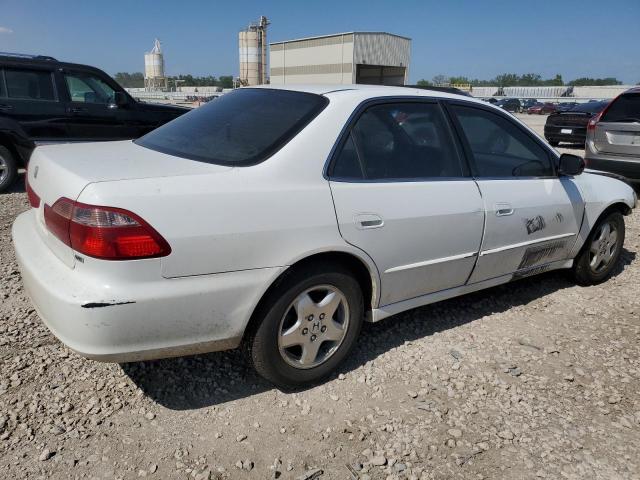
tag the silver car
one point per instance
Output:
(613, 137)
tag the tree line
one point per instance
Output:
(136, 80)
(515, 80)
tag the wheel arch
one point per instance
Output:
(590, 223)
(362, 267)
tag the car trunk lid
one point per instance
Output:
(64, 170)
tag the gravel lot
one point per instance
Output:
(534, 379)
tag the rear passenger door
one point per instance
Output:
(532, 215)
(30, 98)
(402, 195)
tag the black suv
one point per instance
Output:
(43, 100)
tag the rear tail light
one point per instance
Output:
(34, 199)
(104, 232)
(591, 126)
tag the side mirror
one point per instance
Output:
(120, 99)
(570, 164)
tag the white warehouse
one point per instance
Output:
(355, 57)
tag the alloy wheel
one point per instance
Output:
(313, 326)
(603, 247)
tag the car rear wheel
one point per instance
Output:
(8, 169)
(308, 325)
(601, 252)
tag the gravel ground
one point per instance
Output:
(534, 379)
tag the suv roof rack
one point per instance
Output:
(27, 56)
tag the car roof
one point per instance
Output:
(371, 91)
(22, 60)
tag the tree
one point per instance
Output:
(440, 79)
(579, 82)
(459, 81)
(423, 83)
(226, 81)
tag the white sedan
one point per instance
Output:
(281, 219)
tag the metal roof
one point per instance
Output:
(338, 35)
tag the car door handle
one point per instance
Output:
(77, 109)
(503, 209)
(5, 107)
(366, 221)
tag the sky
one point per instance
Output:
(474, 38)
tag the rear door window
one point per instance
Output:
(626, 108)
(29, 85)
(243, 127)
(398, 141)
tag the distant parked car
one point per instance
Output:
(565, 106)
(542, 108)
(613, 137)
(528, 102)
(281, 219)
(571, 126)
(43, 100)
(492, 100)
(509, 104)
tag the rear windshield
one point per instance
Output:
(589, 107)
(626, 108)
(243, 127)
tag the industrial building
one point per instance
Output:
(252, 43)
(154, 78)
(377, 58)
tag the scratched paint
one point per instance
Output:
(539, 253)
(104, 304)
(535, 224)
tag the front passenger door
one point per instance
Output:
(92, 112)
(532, 215)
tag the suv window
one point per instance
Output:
(88, 89)
(29, 84)
(243, 127)
(400, 141)
(626, 108)
(499, 147)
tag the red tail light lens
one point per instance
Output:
(34, 199)
(104, 232)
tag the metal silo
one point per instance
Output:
(154, 78)
(252, 43)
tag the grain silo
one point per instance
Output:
(252, 43)
(154, 78)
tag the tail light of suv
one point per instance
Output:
(104, 232)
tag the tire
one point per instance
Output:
(599, 245)
(554, 143)
(278, 323)
(8, 169)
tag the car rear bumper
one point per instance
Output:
(135, 320)
(554, 134)
(630, 169)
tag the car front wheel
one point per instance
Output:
(309, 324)
(601, 252)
